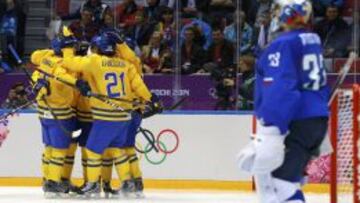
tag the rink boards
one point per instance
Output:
(195, 151)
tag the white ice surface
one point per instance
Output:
(35, 195)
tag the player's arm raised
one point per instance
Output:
(138, 85)
(75, 63)
(123, 51)
(37, 56)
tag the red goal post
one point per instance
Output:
(344, 129)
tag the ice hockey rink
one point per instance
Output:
(35, 195)
(194, 172)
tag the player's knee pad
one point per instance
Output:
(288, 192)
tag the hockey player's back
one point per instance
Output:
(290, 105)
(109, 76)
(293, 61)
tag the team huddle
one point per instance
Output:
(100, 95)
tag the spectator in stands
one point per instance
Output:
(203, 35)
(250, 7)
(153, 10)
(125, 13)
(166, 27)
(246, 89)
(154, 55)
(221, 51)
(85, 28)
(98, 8)
(220, 62)
(222, 9)
(11, 100)
(246, 39)
(166, 61)
(187, 7)
(334, 33)
(321, 5)
(141, 30)
(254, 9)
(12, 29)
(192, 54)
(220, 65)
(17, 96)
(108, 23)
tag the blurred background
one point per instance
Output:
(201, 49)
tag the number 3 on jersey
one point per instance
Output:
(314, 65)
(113, 82)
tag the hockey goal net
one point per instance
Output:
(345, 139)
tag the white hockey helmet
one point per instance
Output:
(290, 13)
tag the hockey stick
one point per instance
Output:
(151, 141)
(176, 105)
(342, 75)
(20, 62)
(144, 131)
(17, 109)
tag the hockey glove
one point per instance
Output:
(265, 153)
(41, 83)
(83, 87)
(153, 107)
(116, 37)
(68, 41)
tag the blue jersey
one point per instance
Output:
(291, 81)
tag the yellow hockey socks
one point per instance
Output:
(56, 164)
(84, 162)
(45, 162)
(107, 163)
(69, 161)
(93, 166)
(121, 161)
(135, 170)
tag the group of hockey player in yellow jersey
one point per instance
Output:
(64, 82)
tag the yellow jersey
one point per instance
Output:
(126, 53)
(81, 106)
(61, 96)
(110, 76)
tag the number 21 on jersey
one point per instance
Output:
(313, 64)
(114, 80)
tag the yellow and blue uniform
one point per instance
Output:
(82, 110)
(115, 78)
(55, 112)
(124, 51)
(84, 117)
(58, 101)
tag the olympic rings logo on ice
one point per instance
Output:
(157, 148)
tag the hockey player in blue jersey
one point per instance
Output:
(291, 98)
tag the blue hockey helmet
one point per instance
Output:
(290, 13)
(104, 44)
(59, 43)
